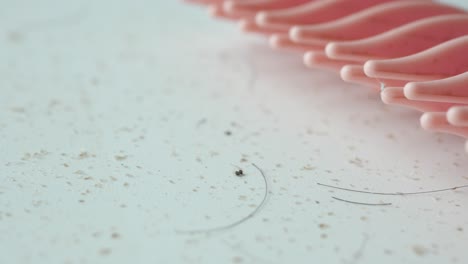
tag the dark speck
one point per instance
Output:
(323, 226)
(239, 173)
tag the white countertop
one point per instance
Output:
(122, 123)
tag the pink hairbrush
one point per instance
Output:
(437, 95)
(449, 90)
(247, 9)
(439, 122)
(204, 2)
(412, 38)
(442, 61)
(416, 51)
(369, 22)
(366, 23)
(312, 12)
(452, 91)
(335, 20)
(444, 96)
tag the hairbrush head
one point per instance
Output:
(441, 61)
(355, 74)
(249, 9)
(312, 12)
(369, 22)
(458, 116)
(437, 122)
(450, 90)
(402, 41)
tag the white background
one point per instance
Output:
(113, 120)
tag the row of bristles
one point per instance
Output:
(414, 52)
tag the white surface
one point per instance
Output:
(112, 134)
(459, 3)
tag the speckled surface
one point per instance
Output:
(122, 122)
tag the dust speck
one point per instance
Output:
(308, 168)
(79, 172)
(105, 251)
(419, 250)
(85, 155)
(357, 161)
(237, 259)
(35, 155)
(18, 109)
(15, 37)
(120, 157)
(94, 81)
(323, 226)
